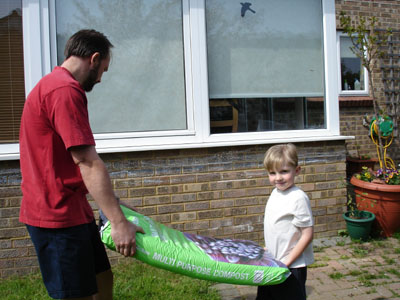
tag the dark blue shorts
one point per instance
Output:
(69, 259)
(293, 288)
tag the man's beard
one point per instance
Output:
(91, 79)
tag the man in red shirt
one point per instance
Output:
(59, 166)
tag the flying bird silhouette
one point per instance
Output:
(246, 7)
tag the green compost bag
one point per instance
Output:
(222, 260)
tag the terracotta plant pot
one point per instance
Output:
(381, 199)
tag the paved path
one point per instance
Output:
(343, 270)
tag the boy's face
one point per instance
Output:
(283, 177)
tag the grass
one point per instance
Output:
(396, 235)
(318, 249)
(394, 272)
(355, 273)
(394, 293)
(378, 243)
(359, 251)
(365, 280)
(317, 265)
(336, 275)
(340, 243)
(133, 280)
(23, 288)
(153, 283)
(389, 261)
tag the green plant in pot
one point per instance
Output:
(375, 191)
(358, 222)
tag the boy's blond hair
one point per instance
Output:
(279, 155)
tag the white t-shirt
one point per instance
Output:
(285, 212)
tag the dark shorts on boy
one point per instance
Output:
(69, 259)
(293, 288)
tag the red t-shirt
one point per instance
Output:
(54, 118)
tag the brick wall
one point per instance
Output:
(219, 192)
(387, 13)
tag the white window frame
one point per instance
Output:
(365, 91)
(39, 59)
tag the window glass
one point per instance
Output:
(266, 114)
(12, 90)
(265, 64)
(351, 69)
(144, 89)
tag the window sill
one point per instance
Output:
(220, 144)
(348, 101)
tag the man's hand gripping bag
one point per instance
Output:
(222, 260)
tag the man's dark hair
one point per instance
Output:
(85, 42)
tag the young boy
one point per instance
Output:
(288, 224)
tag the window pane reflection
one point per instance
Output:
(144, 89)
(352, 71)
(265, 65)
(266, 114)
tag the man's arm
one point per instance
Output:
(97, 181)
